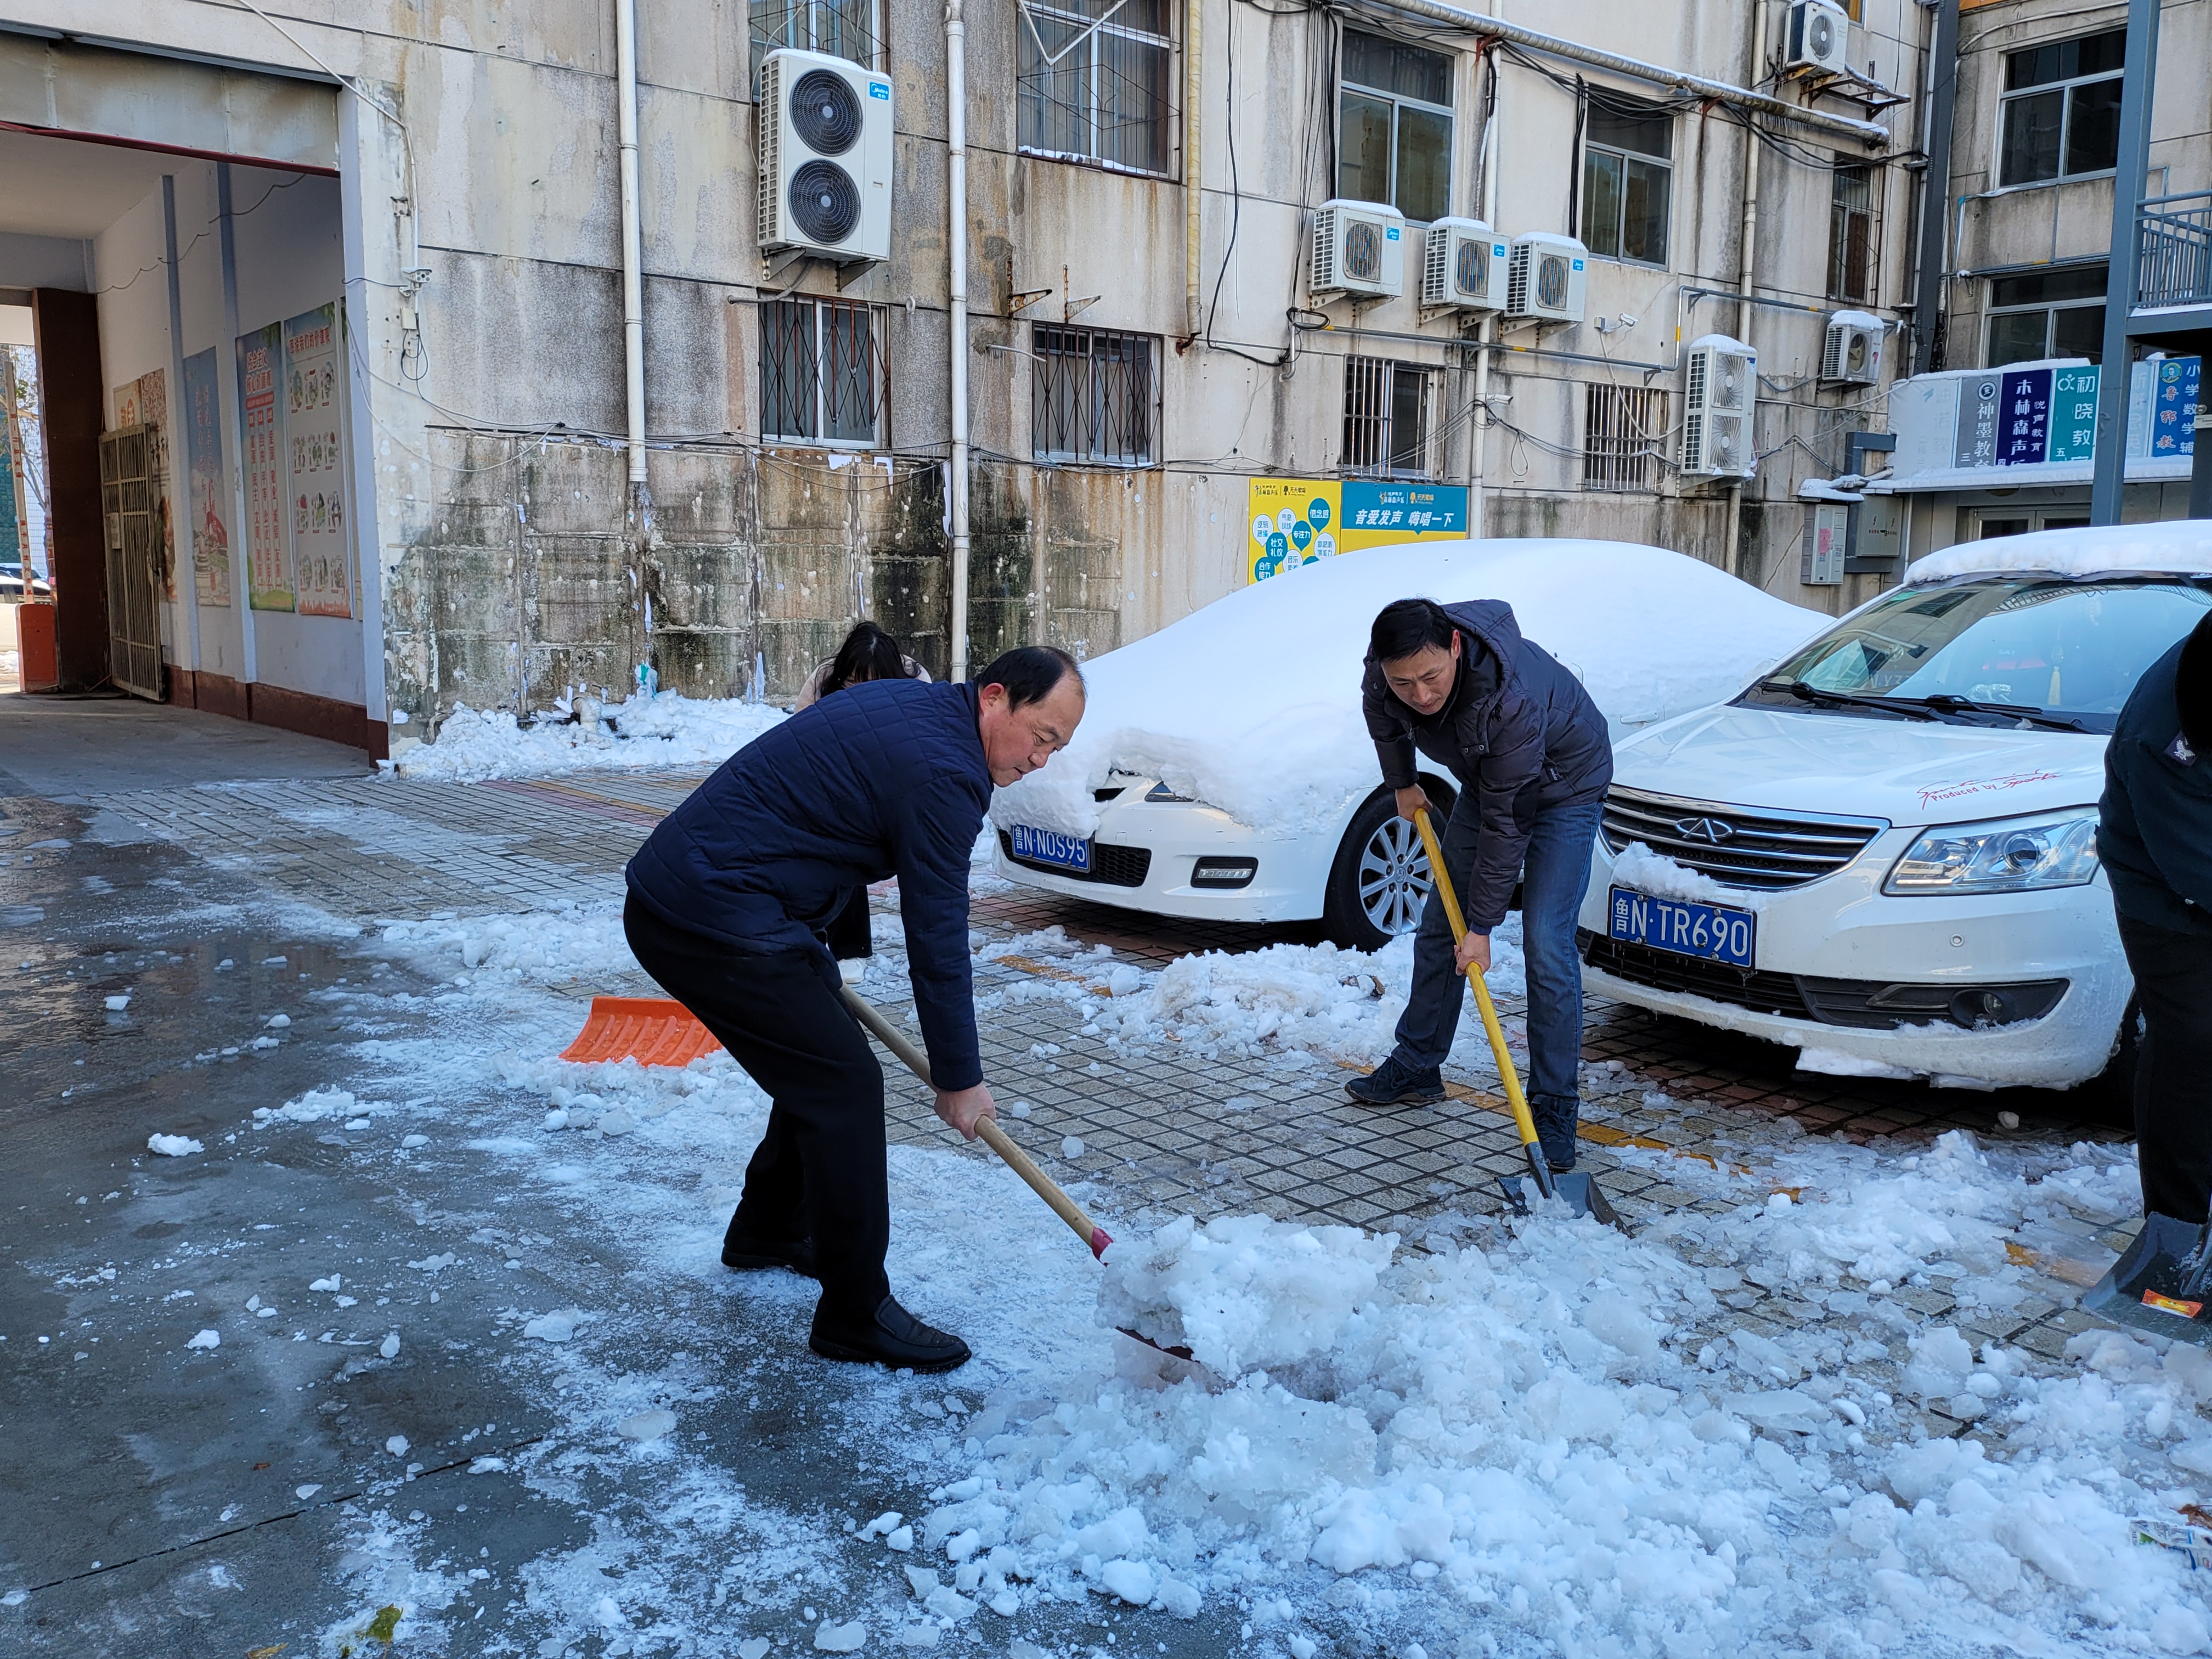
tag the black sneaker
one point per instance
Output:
(751, 1254)
(1555, 1131)
(892, 1337)
(1396, 1084)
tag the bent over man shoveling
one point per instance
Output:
(727, 901)
(1532, 757)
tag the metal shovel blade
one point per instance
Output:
(1583, 1195)
(2161, 1284)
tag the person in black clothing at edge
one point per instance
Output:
(2154, 840)
(1533, 758)
(728, 899)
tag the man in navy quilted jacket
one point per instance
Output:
(727, 901)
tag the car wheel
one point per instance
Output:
(1380, 880)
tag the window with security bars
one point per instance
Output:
(1852, 200)
(1386, 418)
(1094, 396)
(842, 28)
(1094, 80)
(821, 374)
(1622, 427)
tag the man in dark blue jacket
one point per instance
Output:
(1533, 758)
(2154, 840)
(727, 901)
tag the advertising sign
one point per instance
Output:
(314, 492)
(1293, 522)
(2073, 413)
(2177, 393)
(205, 509)
(1977, 441)
(2024, 416)
(268, 562)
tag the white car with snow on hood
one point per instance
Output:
(1884, 853)
(1223, 769)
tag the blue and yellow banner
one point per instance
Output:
(1296, 521)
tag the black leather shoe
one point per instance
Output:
(892, 1337)
(751, 1254)
(1395, 1084)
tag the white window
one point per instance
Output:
(1386, 418)
(1395, 144)
(821, 374)
(2056, 312)
(2060, 110)
(1628, 179)
(1094, 80)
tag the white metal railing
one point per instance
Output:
(2173, 251)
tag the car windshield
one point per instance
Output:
(1994, 650)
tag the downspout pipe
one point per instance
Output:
(2108, 474)
(1871, 133)
(1486, 330)
(1747, 276)
(632, 256)
(955, 259)
(1193, 118)
(1928, 291)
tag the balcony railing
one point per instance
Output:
(2174, 250)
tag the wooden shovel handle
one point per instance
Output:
(992, 1135)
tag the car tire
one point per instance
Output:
(1380, 876)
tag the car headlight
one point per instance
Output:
(2012, 855)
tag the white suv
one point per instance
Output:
(1883, 853)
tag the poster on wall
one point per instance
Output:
(314, 490)
(1297, 522)
(146, 401)
(205, 507)
(267, 564)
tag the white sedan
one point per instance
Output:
(1223, 769)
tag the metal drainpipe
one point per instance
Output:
(1732, 537)
(1485, 332)
(632, 253)
(955, 211)
(1194, 31)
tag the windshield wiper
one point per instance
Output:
(1912, 708)
(2016, 710)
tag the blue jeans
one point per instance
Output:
(1555, 872)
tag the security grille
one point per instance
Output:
(1386, 418)
(1093, 80)
(1094, 396)
(843, 28)
(1737, 846)
(823, 378)
(1622, 427)
(132, 522)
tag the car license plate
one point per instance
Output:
(1050, 847)
(1717, 932)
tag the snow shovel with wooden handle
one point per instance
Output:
(990, 1133)
(1580, 1191)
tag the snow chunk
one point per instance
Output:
(1071, 1146)
(833, 1638)
(647, 1425)
(669, 729)
(1135, 1582)
(555, 1327)
(116, 1004)
(316, 1106)
(174, 1145)
(1637, 866)
(209, 1339)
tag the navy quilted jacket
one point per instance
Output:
(886, 778)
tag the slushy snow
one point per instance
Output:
(174, 1145)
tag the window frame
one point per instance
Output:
(1625, 156)
(759, 43)
(1839, 214)
(1398, 101)
(2007, 98)
(1044, 410)
(1625, 445)
(1169, 43)
(1992, 311)
(877, 372)
(1381, 419)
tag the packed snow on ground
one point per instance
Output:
(2177, 544)
(576, 942)
(668, 729)
(1252, 704)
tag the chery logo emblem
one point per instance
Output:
(1712, 831)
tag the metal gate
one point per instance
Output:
(132, 518)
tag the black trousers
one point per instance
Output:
(819, 1171)
(2174, 1072)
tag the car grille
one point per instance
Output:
(1866, 1005)
(1110, 865)
(1737, 846)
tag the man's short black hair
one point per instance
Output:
(1030, 673)
(1406, 626)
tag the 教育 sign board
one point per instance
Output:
(1294, 522)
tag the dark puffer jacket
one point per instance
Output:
(1519, 730)
(2155, 822)
(887, 778)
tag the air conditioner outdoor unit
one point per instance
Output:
(1719, 389)
(1820, 37)
(1358, 247)
(1464, 264)
(1853, 354)
(1547, 278)
(825, 157)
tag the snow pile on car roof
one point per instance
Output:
(2183, 545)
(1252, 704)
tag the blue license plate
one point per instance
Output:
(1716, 933)
(1050, 847)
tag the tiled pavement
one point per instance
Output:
(1157, 1131)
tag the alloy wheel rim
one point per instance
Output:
(1393, 877)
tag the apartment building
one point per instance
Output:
(591, 408)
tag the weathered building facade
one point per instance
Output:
(1144, 333)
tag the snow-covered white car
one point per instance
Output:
(1884, 853)
(1223, 769)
